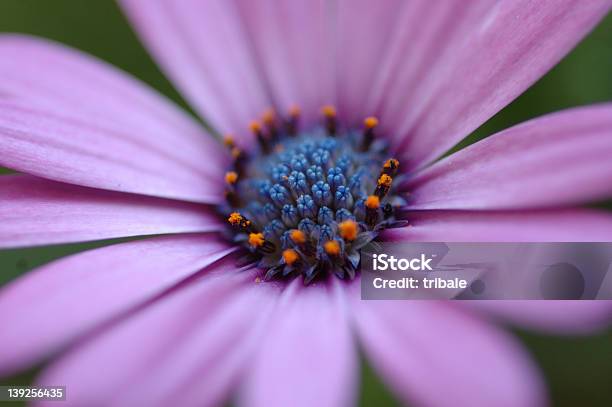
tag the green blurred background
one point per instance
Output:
(578, 369)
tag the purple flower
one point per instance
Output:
(173, 319)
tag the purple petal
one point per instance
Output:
(34, 211)
(559, 317)
(432, 354)
(430, 36)
(558, 159)
(494, 58)
(293, 44)
(203, 48)
(186, 349)
(365, 31)
(567, 225)
(69, 117)
(61, 301)
(307, 357)
(39, 70)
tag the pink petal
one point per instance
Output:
(63, 300)
(203, 48)
(34, 211)
(558, 159)
(559, 317)
(187, 349)
(365, 31)
(307, 357)
(69, 117)
(65, 147)
(428, 37)
(293, 43)
(40, 70)
(567, 225)
(494, 58)
(432, 354)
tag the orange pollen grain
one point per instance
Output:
(290, 256)
(235, 218)
(236, 152)
(391, 163)
(231, 177)
(255, 126)
(372, 202)
(348, 230)
(268, 116)
(256, 239)
(385, 180)
(298, 236)
(229, 141)
(332, 247)
(294, 111)
(370, 122)
(328, 111)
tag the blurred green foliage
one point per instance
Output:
(578, 369)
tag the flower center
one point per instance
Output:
(308, 200)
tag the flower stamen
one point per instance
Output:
(330, 119)
(255, 127)
(383, 185)
(370, 124)
(332, 247)
(290, 256)
(298, 237)
(269, 120)
(309, 200)
(348, 230)
(372, 205)
(231, 177)
(390, 167)
(293, 122)
(229, 142)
